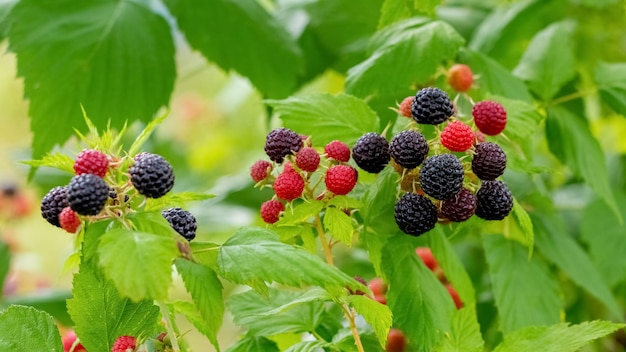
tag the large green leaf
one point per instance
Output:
(396, 10)
(5, 9)
(420, 304)
(307, 346)
(376, 314)
(115, 58)
(465, 334)
(254, 344)
(570, 139)
(548, 62)
(339, 225)
(327, 117)
(25, 329)
(556, 338)
(611, 81)
(517, 279)
(205, 289)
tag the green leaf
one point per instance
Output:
(556, 338)
(101, 315)
(205, 253)
(611, 81)
(327, 117)
(254, 254)
(345, 341)
(465, 334)
(307, 346)
(276, 315)
(179, 199)
(191, 313)
(5, 261)
(517, 279)
(125, 255)
(376, 314)
(115, 58)
(395, 10)
(421, 306)
(25, 329)
(254, 344)
(339, 224)
(205, 289)
(5, 9)
(570, 139)
(52, 302)
(522, 118)
(145, 134)
(344, 202)
(557, 245)
(59, 161)
(526, 233)
(258, 34)
(548, 62)
(300, 213)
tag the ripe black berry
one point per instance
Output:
(441, 176)
(494, 200)
(53, 203)
(182, 222)
(489, 161)
(415, 214)
(151, 175)
(431, 106)
(87, 194)
(371, 152)
(281, 142)
(408, 148)
(459, 207)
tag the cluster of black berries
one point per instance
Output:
(438, 190)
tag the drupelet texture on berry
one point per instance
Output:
(124, 344)
(409, 149)
(415, 214)
(337, 150)
(457, 136)
(68, 220)
(53, 204)
(281, 142)
(91, 161)
(182, 222)
(151, 175)
(307, 159)
(460, 207)
(371, 152)
(441, 176)
(270, 210)
(431, 106)
(260, 170)
(288, 185)
(341, 179)
(490, 117)
(495, 201)
(489, 161)
(87, 194)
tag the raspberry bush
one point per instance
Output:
(460, 190)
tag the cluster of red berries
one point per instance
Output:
(121, 344)
(302, 167)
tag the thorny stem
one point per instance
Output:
(169, 326)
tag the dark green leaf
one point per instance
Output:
(376, 314)
(25, 329)
(116, 58)
(465, 334)
(5, 262)
(254, 344)
(339, 225)
(611, 80)
(345, 341)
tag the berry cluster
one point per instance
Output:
(297, 169)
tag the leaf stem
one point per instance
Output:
(572, 96)
(320, 231)
(349, 313)
(169, 326)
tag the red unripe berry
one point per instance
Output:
(124, 344)
(308, 159)
(479, 137)
(357, 292)
(270, 210)
(341, 179)
(427, 257)
(289, 185)
(378, 286)
(380, 298)
(490, 117)
(396, 342)
(457, 136)
(337, 150)
(405, 106)
(460, 77)
(455, 296)
(91, 161)
(260, 170)
(68, 340)
(69, 221)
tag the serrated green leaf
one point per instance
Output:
(327, 117)
(300, 213)
(191, 313)
(205, 253)
(307, 346)
(421, 306)
(311, 295)
(556, 338)
(59, 161)
(465, 334)
(101, 315)
(254, 344)
(254, 254)
(278, 314)
(5, 262)
(517, 279)
(344, 340)
(277, 58)
(205, 289)
(344, 202)
(145, 134)
(393, 11)
(548, 62)
(526, 233)
(376, 314)
(125, 254)
(611, 81)
(179, 199)
(52, 302)
(570, 139)
(25, 329)
(522, 118)
(339, 225)
(116, 58)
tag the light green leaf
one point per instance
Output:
(339, 224)
(327, 117)
(393, 11)
(611, 81)
(310, 295)
(125, 254)
(300, 213)
(307, 346)
(25, 329)
(556, 338)
(145, 134)
(525, 233)
(190, 311)
(517, 279)
(179, 199)
(116, 58)
(205, 253)
(344, 202)
(5, 9)
(465, 334)
(205, 289)
(376, 314)
(548, 62)
(57, 160)
(254, 344)
(258, 34)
